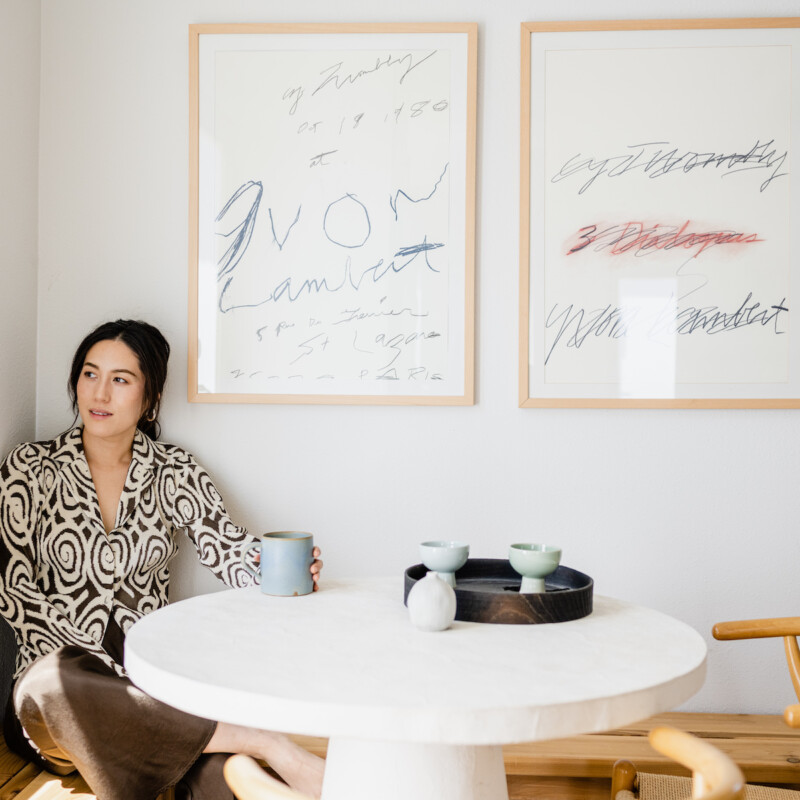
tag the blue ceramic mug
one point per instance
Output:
(286, 558)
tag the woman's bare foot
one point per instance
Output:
(302, 770)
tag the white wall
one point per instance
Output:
(692, 512)
(19, 137)
(19, 134)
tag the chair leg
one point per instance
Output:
(623, 777)
(791, 716)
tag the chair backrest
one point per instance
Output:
(714, 775)
(786, 627)
(249, 781)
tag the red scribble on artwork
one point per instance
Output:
(643, 239)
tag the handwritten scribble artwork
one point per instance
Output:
(658, 264)
(333, 260)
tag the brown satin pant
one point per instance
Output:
(126, 745)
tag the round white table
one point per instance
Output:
(410, 714)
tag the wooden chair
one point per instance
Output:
(714, 775)
(786, 627)
(249, 781)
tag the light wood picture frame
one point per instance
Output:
(332, 213)
(656, 215)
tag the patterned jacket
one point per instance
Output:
(62, 577)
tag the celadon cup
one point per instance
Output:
(534, 562)
(286, 558)
(444, 558)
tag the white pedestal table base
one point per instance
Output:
(359, 769)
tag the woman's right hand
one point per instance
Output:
(316, 567)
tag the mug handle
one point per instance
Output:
(245, 553)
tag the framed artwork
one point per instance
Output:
(332, 204)
(657, 257)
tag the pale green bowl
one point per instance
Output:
(534, 562)
(444, 558)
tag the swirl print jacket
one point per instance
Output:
(62, 577)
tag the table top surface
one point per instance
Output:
(346, 661)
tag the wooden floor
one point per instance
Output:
(578, 768)
(20, 780)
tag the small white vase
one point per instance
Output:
(431, 604)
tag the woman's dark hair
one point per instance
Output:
(152, 351)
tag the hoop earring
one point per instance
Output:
(151, 417)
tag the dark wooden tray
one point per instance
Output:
(487, 590)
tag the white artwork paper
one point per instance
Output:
(331, 214)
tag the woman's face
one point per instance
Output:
(110, 391)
